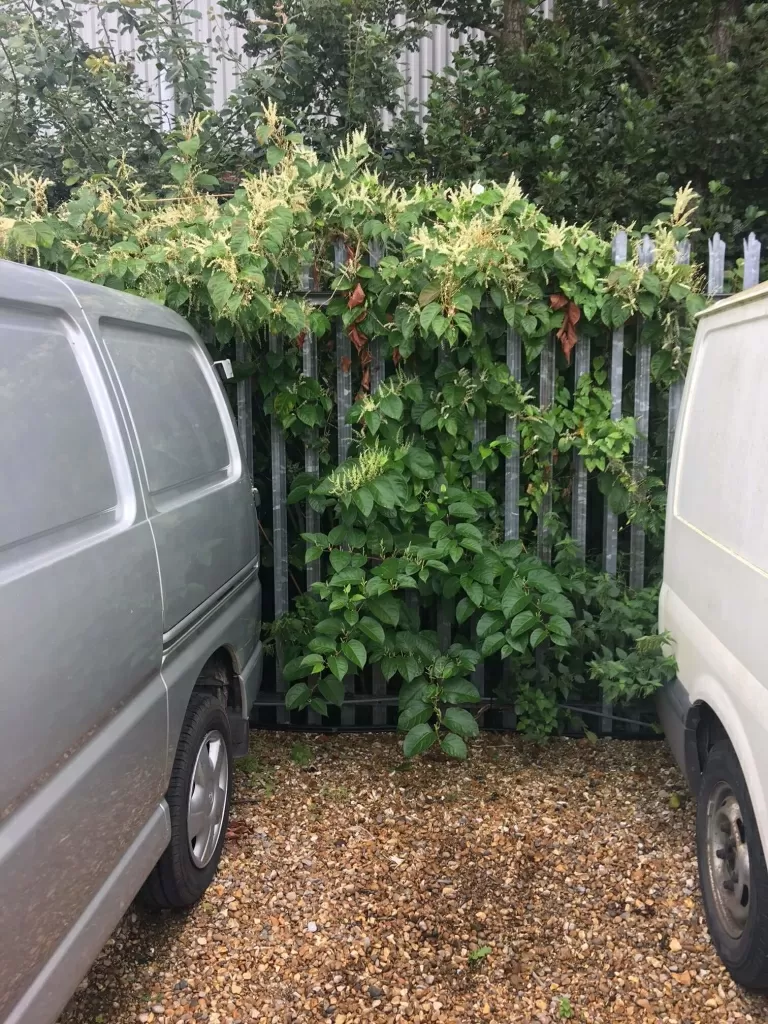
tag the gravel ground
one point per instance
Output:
(526, 885)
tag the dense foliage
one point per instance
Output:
(610, 107)
(455, 270)
(68, 111)
(602, 112)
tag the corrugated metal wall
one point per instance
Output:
(224, 44)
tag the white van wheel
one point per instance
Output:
(734, 879)
(198, 798)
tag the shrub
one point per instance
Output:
(460, 268)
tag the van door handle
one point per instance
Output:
(256, 497)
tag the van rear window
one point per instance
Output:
(174, 411)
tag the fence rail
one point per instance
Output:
(370, 700)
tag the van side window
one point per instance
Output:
(172, 405)
(54, 467)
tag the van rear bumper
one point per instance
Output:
(673, 706)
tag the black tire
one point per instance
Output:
(737, 916)
(176, 881)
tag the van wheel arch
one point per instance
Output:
(219, 677)
(703, 729)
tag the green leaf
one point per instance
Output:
(364, 500)
(416, 713)
(333, 690)
(179, 172)
(338, 665)
(536, 638)
(544, 581)
(460, 691)
(557, 604)
(454, 746)
(428, 314)
(220, 289)
(189, 146)
(465, 609)
(420, 738)
(429, 419)
(514, 599)
(461, 722)
(557, 624)
(296, 669)
(372, 629)
(298, 697)
(384, 492)
(428, 294)
(488, 621)
(420, 463)
(492, 643)
(473, 590)
(347, 576)
(274, 156)
(463, 322)
(319, 706)
(24, 234)
(330, 627)
(521, 624)
(416, 689)
(646, 304)
(356, 652)
(314, 662)
(385, 608)
(322, 645)
(651, 282)
(462, 510)
(486, 568)
(340, 560)
(392, 406)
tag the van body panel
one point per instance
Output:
(715, 586)
(49, 993)
(108, 587)
(234, 618)
(198, 490)
(85, 717)
(198, 493)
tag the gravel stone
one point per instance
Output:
(564, 866)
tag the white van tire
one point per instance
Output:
(202, 774)
(732, 869)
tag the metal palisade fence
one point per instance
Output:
(371, 702)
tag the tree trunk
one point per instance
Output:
(721, 36)
(513, 25)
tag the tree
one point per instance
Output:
(65, 110)
(605, 110)
(68, 110)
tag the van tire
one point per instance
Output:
(737, 920)
(176, 881)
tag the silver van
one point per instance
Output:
(130, 611)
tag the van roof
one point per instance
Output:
(759, 291)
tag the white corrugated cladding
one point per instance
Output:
(224, 44)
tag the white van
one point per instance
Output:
(714, 602)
